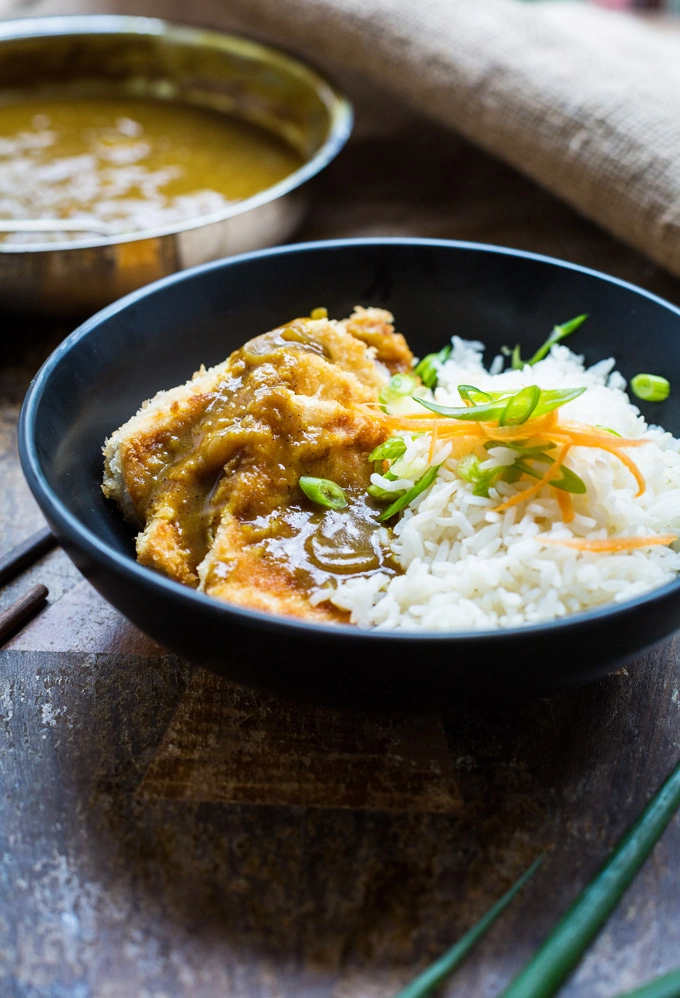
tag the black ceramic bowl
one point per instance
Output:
(157, 337)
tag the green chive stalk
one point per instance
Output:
(564, 947)
(426, 982)
(650, 387)
(667, 986)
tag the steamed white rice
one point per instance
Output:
(469, 568)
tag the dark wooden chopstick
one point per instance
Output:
(12, 564)
(21, 610)
(24, 554)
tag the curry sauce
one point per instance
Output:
(210, 470)
(135, 164)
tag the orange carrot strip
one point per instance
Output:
(635, 472)
(606, 441)
(433, 442)
(544, 430)
(623, 458)
(532, 427)
(527, 493)
(609, 544)
(566, 505)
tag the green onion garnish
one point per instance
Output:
(520, 406)
(667, 986)
(468, 468)
(650, 387)
(323, 492)
(428, 368)
(568, 480)
(423, 483)
(520, 447)
(564, 947)
(558, 333)
(384, 495)
(554, 398)
(389, 450)
(398, 386)
(425, 983)
(475, 396)
(478, 413)
(548, 400)
(481, 481)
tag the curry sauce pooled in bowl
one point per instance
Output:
(131, 164)
(321, 472)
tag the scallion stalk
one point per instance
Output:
(650, 387)
(428, 368)
(407, 497)
(389, 450)
(520, 406)
(564, 947)
(323, 492)
(425, 983)
(548, 399)
(399, 386)
(558, 333)
(667, 986)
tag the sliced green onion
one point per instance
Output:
(548, 400)
(522, 464)
(558, 333)
(650, 387)
(468, 468)
(475, 396)
(402, 502)
(520, 406)
(667, 986)
(516, 362)
(384, 495)
(564, 947)
(607, 429)
(477, 413)
(323, 492)
(426, 982)
(520, 447)
(569, 481)
(428, 368)
(489, 478)
(389, 450)
(398, 386)
(481, 481)
(553, 398)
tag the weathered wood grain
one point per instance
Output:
(238, 746)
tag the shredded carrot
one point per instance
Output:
(590, 436)
(609, 544)
(548, 429)
(533, 489)
(448, 427)
(540, 427)
(566, 505)
(433, 442)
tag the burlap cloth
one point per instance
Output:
(583, 100)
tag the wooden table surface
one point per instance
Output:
(165, 834)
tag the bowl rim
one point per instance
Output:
(81, 537)
(338, 105)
